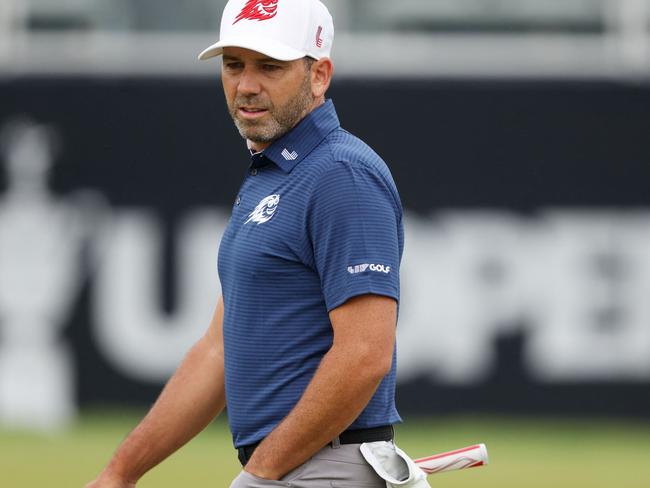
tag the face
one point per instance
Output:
(266, 97)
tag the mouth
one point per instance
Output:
(251, 113)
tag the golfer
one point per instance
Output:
(301, 347)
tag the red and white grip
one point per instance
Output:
(467, 457)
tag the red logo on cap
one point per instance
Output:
(258, 10)
(319, 39)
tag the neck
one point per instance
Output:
(257, 146)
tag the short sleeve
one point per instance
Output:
(355, 227)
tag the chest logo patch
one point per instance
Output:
(265, 210)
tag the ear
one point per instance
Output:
(321, 77)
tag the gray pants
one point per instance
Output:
(340, 467)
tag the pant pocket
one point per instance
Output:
(248, 480)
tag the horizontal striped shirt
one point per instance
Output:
(317, 221)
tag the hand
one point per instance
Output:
(106, 480)
(260, 472)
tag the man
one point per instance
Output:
(302, 343)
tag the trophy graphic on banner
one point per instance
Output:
(41, 241)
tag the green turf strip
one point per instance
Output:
(523, 453)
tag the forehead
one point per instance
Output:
(247, 54)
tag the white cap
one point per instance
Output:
(281, 29)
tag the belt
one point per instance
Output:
(352, 436)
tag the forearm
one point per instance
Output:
(190, 400)
(339, 391)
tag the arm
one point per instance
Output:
(191, 399)
(350, 372)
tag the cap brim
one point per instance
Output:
(273, 49)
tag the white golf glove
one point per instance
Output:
(393, 465)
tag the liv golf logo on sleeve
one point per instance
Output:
(363, 268)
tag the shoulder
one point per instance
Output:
(343, 153)
(348, 149)
(344, 164)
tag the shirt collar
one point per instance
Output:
(300, 141)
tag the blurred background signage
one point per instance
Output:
(516, 131)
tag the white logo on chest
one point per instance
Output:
(265, 210)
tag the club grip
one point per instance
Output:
(467, 457)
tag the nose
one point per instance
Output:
(248, 83)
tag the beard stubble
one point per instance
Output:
(282, 119)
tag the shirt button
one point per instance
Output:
(238, 200)
(254, 172)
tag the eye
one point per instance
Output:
(233, 65)
(271, 67)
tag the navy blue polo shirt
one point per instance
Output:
(317, 221)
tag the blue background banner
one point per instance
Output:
(526, 272)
